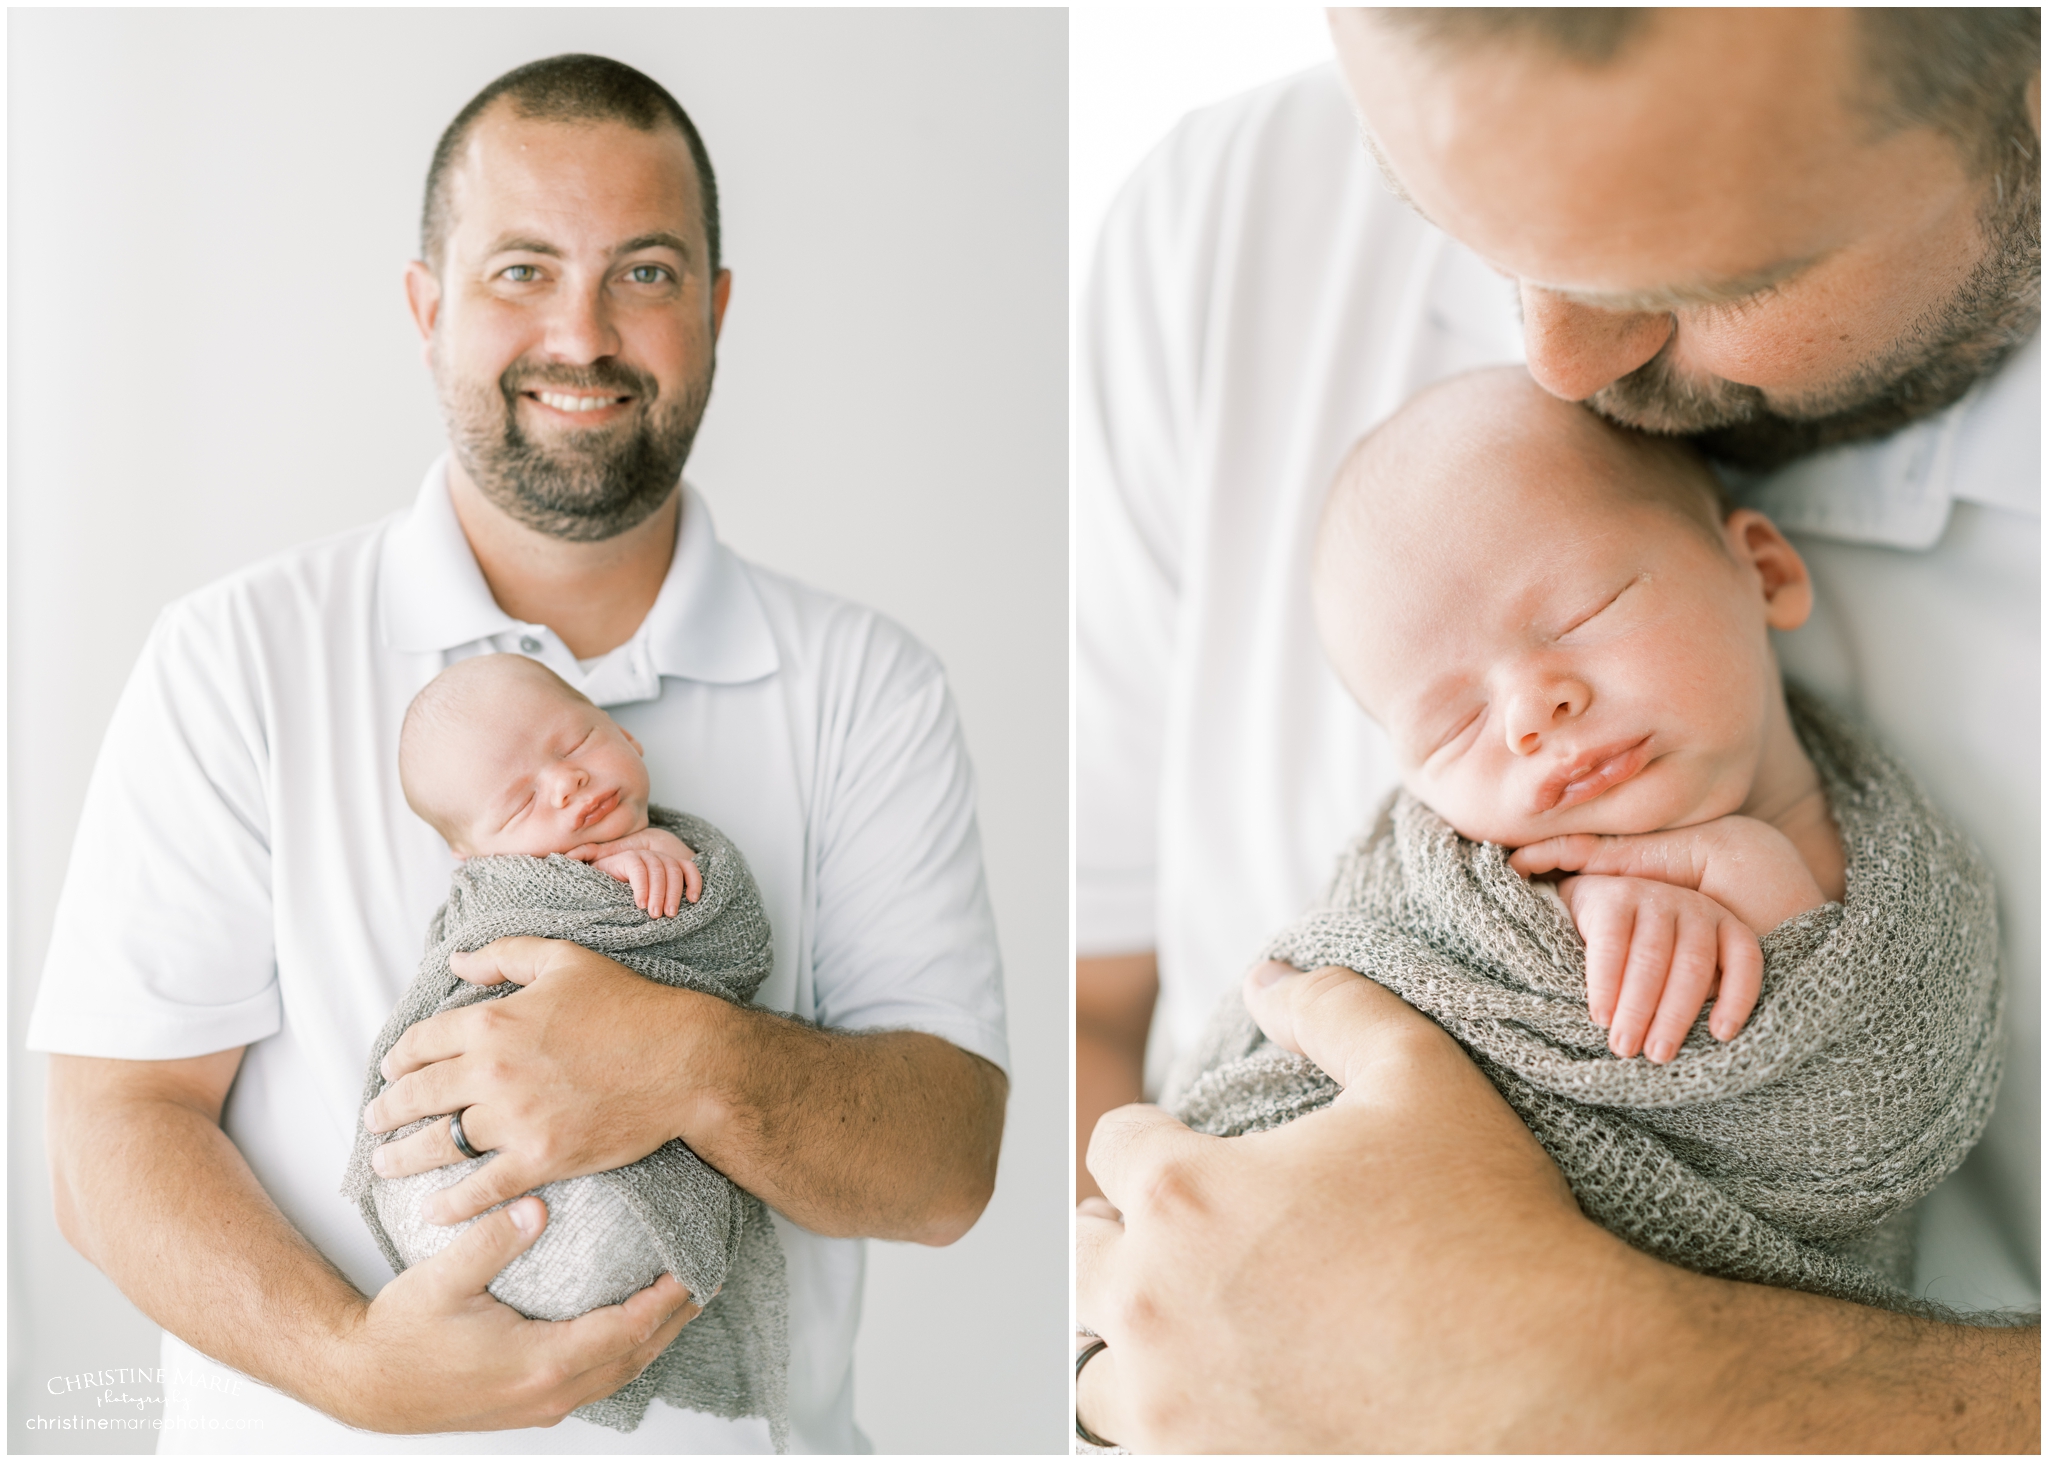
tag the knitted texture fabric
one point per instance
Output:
(612, 1234)
(1789, 1155)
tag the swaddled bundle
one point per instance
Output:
(1788, 1155)
(612, 1234)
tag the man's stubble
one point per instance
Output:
(593, 485)
(1957, 342)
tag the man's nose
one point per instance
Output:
(580, 326)
(1574, 349)
(1546, 704)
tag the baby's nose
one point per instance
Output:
(1535, 712)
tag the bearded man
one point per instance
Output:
(212, 1033)
(1811, 240)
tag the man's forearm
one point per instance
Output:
(1113, 1000)
(886, 1134)
(1778, 1370)
(151, 1190)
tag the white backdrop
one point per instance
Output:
(209, 360)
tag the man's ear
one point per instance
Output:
(1757, 545)
(423, 298)
(721, 291)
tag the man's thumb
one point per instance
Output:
(468, 1265)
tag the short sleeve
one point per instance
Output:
(162, 946)
(905, 937)
(1135, 394)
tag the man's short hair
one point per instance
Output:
(572, 88)
(1963, 72)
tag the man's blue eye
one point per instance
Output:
(522, 273)
(648, 274)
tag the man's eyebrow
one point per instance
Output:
(1387, 174)
(1668, 298)
(521, 244)
(660, 239)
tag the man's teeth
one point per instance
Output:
(574, 403)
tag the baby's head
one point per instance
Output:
(1554, 620)
(501, 756)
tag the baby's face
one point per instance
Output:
(539, 772)
(1553, 657)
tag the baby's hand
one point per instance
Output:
(661, 868)
(1654, 954)
(1746, 866)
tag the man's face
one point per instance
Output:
(572, 324)
(1706, 232)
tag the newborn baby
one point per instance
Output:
(1566, 639)
(545, 799)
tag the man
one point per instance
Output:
(569, 298)
(1791, 232)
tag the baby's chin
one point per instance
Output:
(1626, 811)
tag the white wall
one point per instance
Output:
(209, 359)
(1136, 70)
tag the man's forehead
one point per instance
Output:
(521, 180)
(1710, 156)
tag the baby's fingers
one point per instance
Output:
(636, 877)
(1605, 926)
(1695, 953)
(661, 887)
(1742, 979)
(1571, 852)
(693, 881)
(1642, 980)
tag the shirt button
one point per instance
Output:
(529, 644)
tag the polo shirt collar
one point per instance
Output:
(1897, 491)
(706, 624)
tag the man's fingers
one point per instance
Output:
(427, 1149)
(1136, 1155)
(620, 1341)
(428, 1090)
(521, 959)
(463, 1269)
(1095, 1243)
(1334, 1016)
(494, 1182)
(1742, 978)
(1096, 1394)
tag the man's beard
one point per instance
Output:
(590, 485)
(1952, 346)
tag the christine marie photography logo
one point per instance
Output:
(131, 1399)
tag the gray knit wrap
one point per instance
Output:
(1789, 1155)
(612, 1234)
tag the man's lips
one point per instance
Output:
(599, 810)
(577, 407)
(1587, 776)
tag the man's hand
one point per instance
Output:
(1654, 955)
(1406, 1271)
(473, 1364)
(884, 1134)
(150, 1190)
(660, 866)
(577, 1073)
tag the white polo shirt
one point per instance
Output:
(276, 889)
(1259, 301)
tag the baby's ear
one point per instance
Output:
(1757, 545)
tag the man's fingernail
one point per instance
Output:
(525, 1219)
(380, 1162)
(1270, 973)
